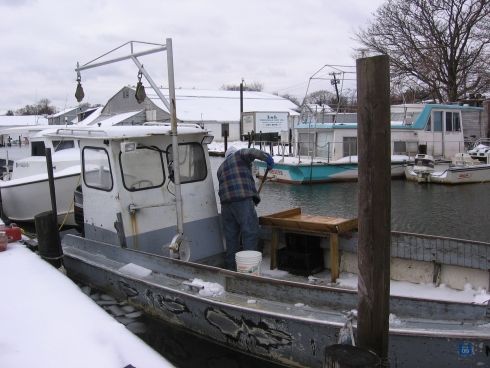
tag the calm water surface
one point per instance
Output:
(459, 211)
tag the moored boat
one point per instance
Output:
(25, 190)
(463, 169)
(325, 152)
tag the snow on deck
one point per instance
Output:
(346, 280)
(47, 321)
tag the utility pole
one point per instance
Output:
(374, 152)
(241, 110)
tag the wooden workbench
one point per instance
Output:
(294, 221)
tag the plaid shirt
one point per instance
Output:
(235, 178)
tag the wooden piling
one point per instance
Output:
(373, 131)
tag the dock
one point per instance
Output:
(47, 321)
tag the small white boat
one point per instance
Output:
(423, 167)
(25, 191)
(462, 169)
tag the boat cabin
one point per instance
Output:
(65, 153)
(434, 129)
(129, 193)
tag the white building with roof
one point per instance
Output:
(213, 109)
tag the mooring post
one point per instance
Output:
(47, 223)
(374, 152)
(226, 140)
(52, 193)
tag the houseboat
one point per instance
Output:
(325, 152)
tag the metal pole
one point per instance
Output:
(175, 144)
(52, 193)
(241, 109)
(374, 201)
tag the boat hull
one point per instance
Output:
(453, 175)
(317, 172)
(280, 330)
(22, 200)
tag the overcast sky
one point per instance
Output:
(278, 43)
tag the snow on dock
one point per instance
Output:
(47, 321)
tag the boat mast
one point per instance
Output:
(170, 106)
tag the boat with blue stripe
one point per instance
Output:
(325, 152)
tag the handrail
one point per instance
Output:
(84, 132)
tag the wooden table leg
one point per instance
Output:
(274, 246)
(334, 256)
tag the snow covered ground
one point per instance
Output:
(46, 321)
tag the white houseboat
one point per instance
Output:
(325, 152)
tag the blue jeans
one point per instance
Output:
(239, 218)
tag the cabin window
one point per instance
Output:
(38, 149)
(349, 146)
(428, 127)
(452, 122)
(192, 162)
(438, 121)
(62, 145)
(399, 148)
(306, 143)
(142, 169)
(97, 172)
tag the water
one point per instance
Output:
(459, 211)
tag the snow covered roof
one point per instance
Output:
(90, 119)
(61, 113)
(22, 120)
(115, 119)
(221, 105)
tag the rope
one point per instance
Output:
(72, 205)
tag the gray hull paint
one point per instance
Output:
(276, 329)
(203, 235)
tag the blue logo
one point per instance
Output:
(466, 349)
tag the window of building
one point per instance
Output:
(142, 169)
(125, 93)
(97, 172)
(192, 162)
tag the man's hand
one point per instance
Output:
(270, 162)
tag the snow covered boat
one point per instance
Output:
(463, 169)
(25, 191)
(325, 152)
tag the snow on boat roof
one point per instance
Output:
(124, 131)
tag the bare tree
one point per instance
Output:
(440, 45)
(255, 86)
(43, 107)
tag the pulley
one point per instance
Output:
(140, 89)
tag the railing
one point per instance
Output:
(431, 248)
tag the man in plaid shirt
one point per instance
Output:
(238, 198)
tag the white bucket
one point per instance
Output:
(248, 261)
